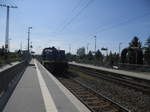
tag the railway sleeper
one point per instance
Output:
(100, 107)
(110, 109)
(81, 93)
(97, 102)
(84, 96)
(78, 90)
(113, 110)
(93, 104)
(89, 99)
(74, 87)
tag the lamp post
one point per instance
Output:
(87, 48)
(9, 43)
(29, 28)
(70, 48)
(7, 25)
(120, 47)
(95, 43)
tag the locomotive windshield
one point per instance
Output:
(53, 54)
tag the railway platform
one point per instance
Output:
(39, 91)
(140, 75)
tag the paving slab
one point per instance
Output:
(27, 95)
(39, 91)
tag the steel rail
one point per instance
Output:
(81, 91)
(119, 80)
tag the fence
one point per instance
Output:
(7, 76)
(135, 67)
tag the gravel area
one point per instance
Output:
(133, 100)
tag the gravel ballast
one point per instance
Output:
(136, 101)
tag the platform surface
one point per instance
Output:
(140, 75)
(39, 91)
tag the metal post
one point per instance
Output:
(95, 43)
(69, 48)
(119, 47)
(29, 38)
(7, 26)
(87, 48)
(21, 46)
(7, 31)
(9, 44)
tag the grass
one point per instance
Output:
(12, 57)
(2, 61)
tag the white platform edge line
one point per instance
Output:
(80, 106)
(48, 100)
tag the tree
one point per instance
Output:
(116, 58)
(147, 51)
(99, 56)
(135, 42)
(90, 55)
(111, 60)
(81, 52)
(108, 60)
(70, 57)
(135, 53)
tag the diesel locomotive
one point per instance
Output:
(54, 60)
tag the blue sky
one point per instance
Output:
(75, 22)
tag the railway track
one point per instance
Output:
(93, 100)
(121, 80)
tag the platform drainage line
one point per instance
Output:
(48, 101)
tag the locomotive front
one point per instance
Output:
(54, 60)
